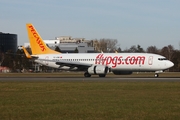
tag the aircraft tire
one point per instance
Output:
(86, 74)
(102, 75)
(156, 75)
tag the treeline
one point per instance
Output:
(18, 61)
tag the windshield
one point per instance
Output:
(162, 59)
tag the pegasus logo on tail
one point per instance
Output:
(38, 46)
(38, 41)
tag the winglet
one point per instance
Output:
(26, 52)
(37, 44)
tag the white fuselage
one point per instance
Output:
(115, 61)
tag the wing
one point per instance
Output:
(71, 64)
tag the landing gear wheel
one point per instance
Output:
(102, 75)
(156, 75)
(86, 74)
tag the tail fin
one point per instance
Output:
(26, 52)
(37, 44)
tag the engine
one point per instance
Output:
(98, 69)
(116, 72)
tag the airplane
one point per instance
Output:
(96, 63)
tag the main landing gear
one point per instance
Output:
(86, 74)
(102, 75)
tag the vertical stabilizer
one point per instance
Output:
(37, 44)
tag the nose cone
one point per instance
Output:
(170, 64)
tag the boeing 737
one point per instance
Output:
(95, 63)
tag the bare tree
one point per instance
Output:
(108, 45)
(167, 51)
(140, 49)
(111, 45)
(119, 50)
(134, 49)
(176, 60)
(102, 45)
(152, 49)
(170, 51)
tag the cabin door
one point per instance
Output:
(150, 60)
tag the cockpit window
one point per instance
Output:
(162, 59)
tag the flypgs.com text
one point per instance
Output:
(118, 60)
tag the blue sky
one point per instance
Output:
(131, 22)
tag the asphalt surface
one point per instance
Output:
(86, 79)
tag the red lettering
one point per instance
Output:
(103, 60)
(100, 60)
(42, 47)
(97, 57)
(127, 60)
(117, 60)
(132, 60)
(141, 60)
(38, 40)
(114, 61)
(35, 35)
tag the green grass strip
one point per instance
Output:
(89, 100)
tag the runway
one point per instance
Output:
(87, 79)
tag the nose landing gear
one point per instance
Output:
(156, 75)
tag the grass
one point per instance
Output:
(87, 100)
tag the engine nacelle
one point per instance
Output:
(98, 69)
(116, 72)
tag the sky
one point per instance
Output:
(131, 22)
